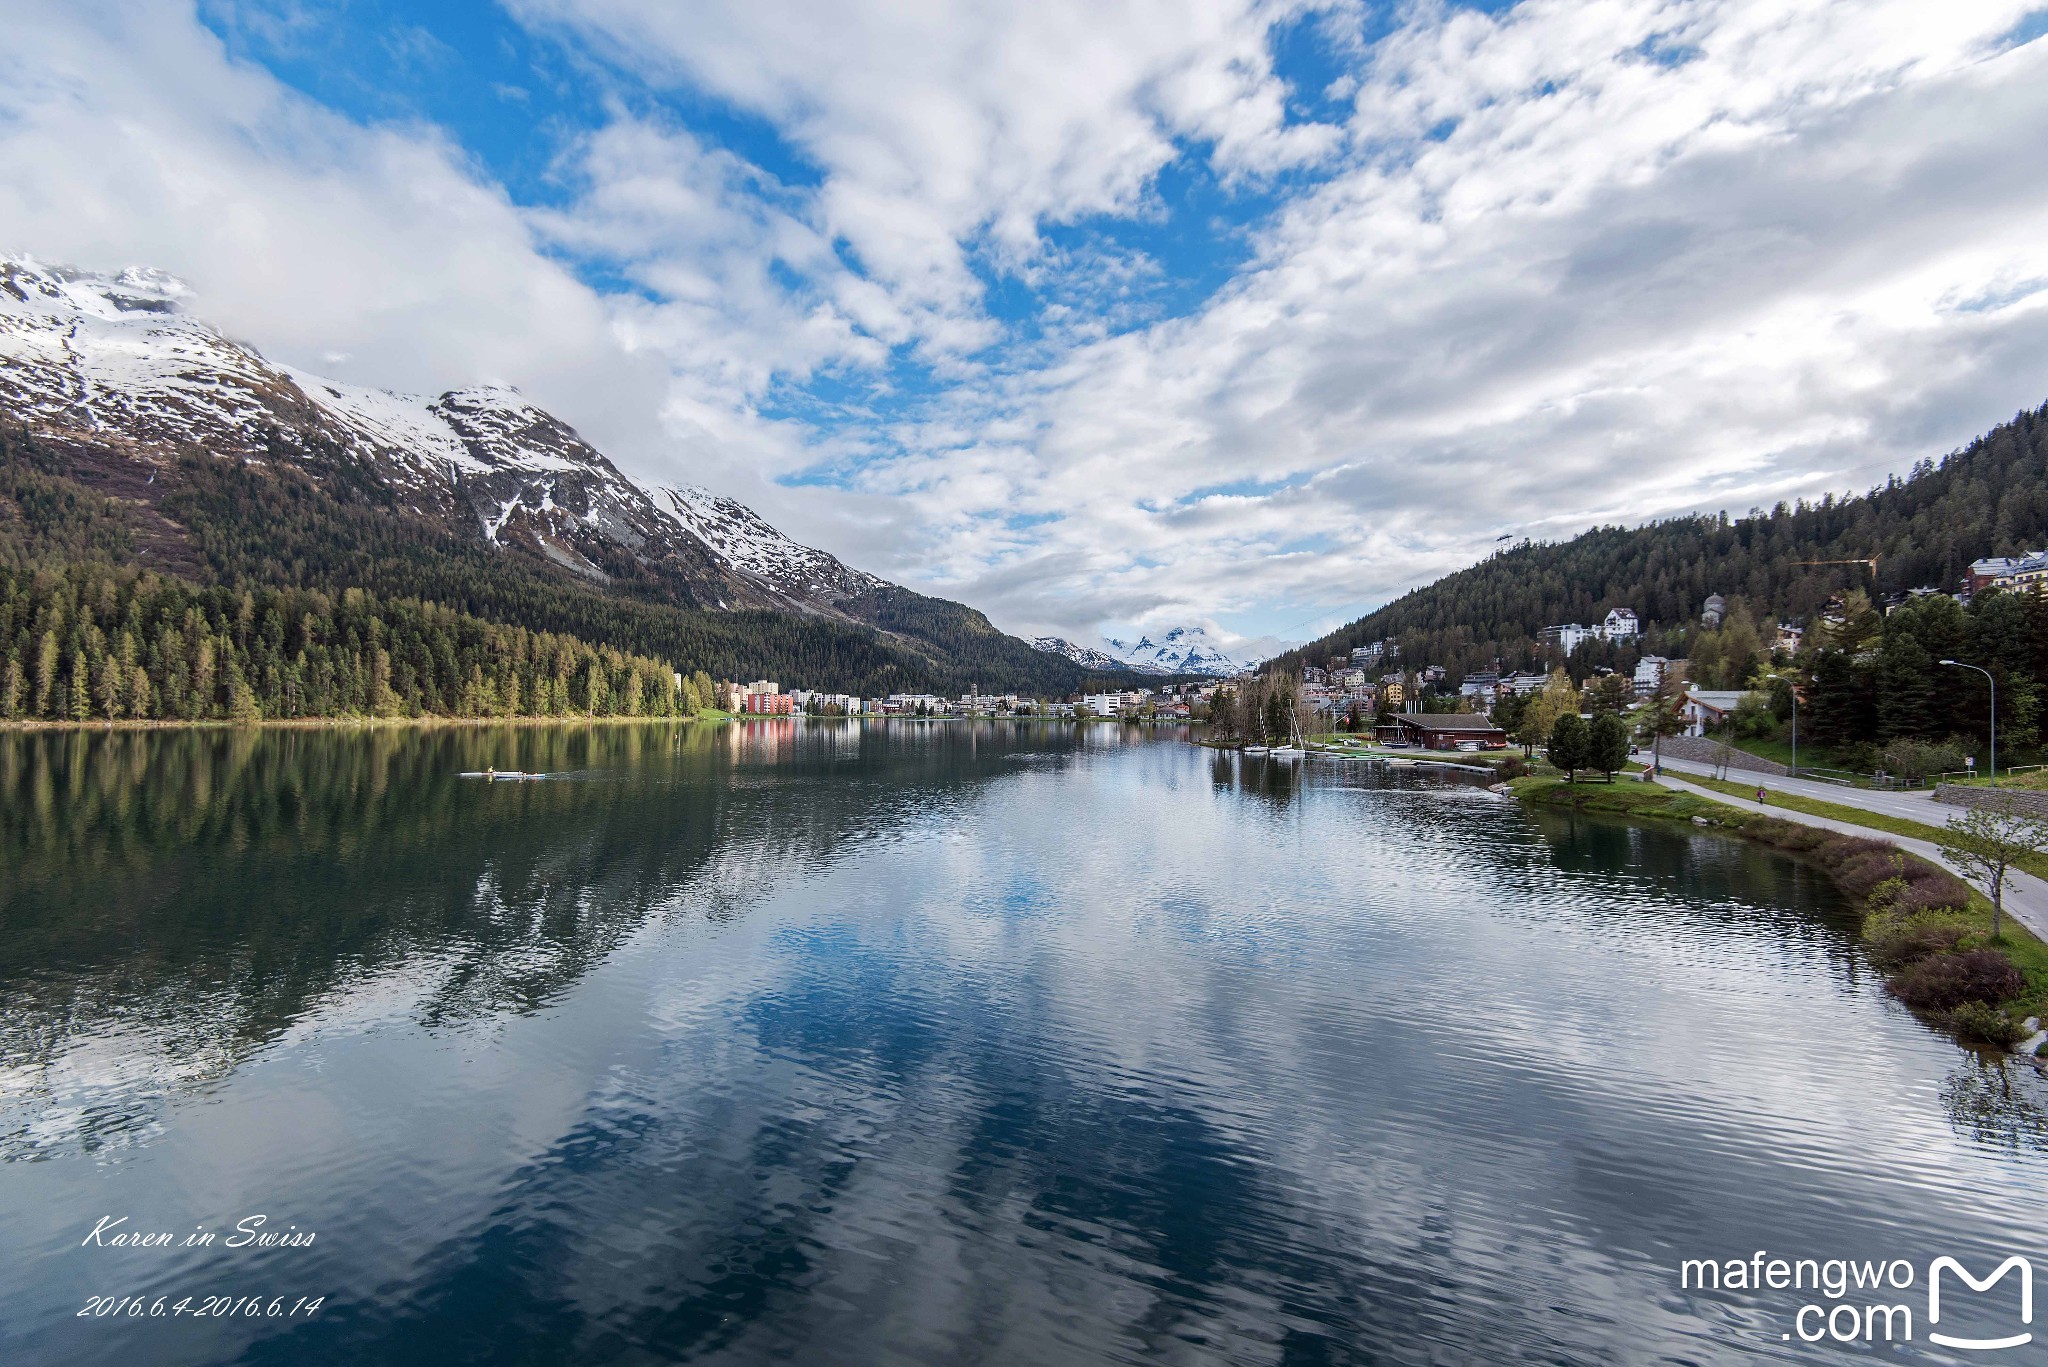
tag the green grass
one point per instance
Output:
(1857, 816)
(1630, 798)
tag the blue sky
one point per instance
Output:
(1103, 315)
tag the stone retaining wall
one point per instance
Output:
(2032, 802)
(1705, 750)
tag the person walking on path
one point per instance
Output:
(1762, 793)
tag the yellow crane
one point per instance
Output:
(1872, 562)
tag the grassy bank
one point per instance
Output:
(1855, 816)
(1927, 929)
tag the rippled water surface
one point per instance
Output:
(937, 1043)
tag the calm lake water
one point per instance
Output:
(939, 1043)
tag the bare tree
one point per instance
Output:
(1985, 842)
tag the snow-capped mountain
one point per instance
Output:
(1080, 655)
(1182, 650)
(115, 361)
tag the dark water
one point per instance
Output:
(937, 1044)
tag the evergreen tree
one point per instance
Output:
(1607, 744)
(1570, 748)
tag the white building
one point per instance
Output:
(1706, 709)
(1569, 637)
(1650, 675)
(1621, 625)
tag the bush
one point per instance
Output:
(1976, 1023)
(1946, 981)
(1902, 945)
(1940, 891)
(1915, 760)
(1514, 766)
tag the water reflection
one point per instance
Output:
(171, 901)
(868, 1043)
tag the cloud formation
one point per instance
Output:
(1115, 315)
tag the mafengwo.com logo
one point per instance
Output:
(1866, 1301)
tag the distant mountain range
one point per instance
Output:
(1182, 650)
(477, 498)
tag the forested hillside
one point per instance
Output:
(251, 525)
(1991, 498)
(92, 643)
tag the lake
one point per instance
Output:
(937, 1043)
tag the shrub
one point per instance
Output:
(1941, 892)
(1976, 1023)
(1903, 945)
(1915, 760)
(1787, 835)
(1946, 981)
(1862, 866)
(1514, 766)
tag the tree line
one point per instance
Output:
(97, 643)
(279, 523)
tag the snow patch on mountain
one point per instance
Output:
(744, 540)
(403, 425)
(1181, 650)
(1084, 656)
(117, 355)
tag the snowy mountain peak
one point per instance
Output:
(1080, 655)
(61, 289)
(117, 356)
(1180, 650)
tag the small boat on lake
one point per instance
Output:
(1255, 749)
(497, 775)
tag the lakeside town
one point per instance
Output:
(1743, 680)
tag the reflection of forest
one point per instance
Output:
(171, 900)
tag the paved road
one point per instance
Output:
(1913, 806)
(2026, 897)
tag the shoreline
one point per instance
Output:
(336, 723)
(27, 726)
(1879, 923)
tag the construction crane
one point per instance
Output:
(1872, 562)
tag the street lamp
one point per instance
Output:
(1792, 686)
(1994, 710)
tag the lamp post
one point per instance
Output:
(1994, 710)
(1793, 686)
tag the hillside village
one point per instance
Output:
(1869, 676)
(1899, 687)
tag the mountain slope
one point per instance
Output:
(1990, 498)
(478, 494)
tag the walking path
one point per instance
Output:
(2026, 897)
(1913, 806)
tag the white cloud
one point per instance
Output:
(1562, 283)
(942, 130)
(1597, 259)
(127, 136)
